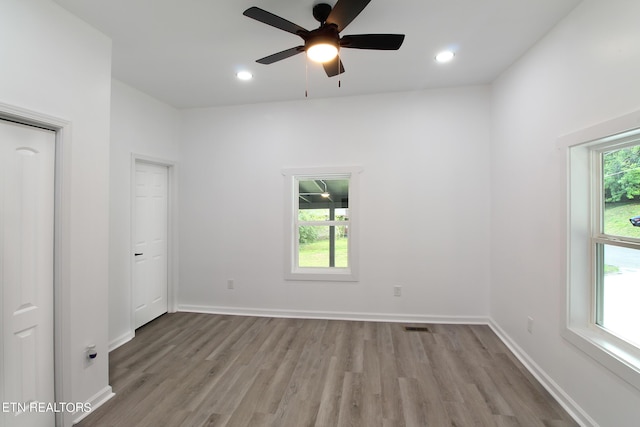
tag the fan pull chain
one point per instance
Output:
(306, 73)
(339, 75)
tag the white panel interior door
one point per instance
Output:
(150, 237)
(27, 160)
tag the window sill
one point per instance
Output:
(624, 362)
(323, 275)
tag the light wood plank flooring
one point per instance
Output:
(192, 370)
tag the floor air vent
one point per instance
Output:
(416, 329)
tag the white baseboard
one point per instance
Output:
(95, 401)
(331, 315)
(122, 339)
(569, 405)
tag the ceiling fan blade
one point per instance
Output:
(274, 20)
(373, 41)
(346, 11)
(331, 67)
(281, 55)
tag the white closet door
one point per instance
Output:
(27, 160)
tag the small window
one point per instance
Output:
(320, 239)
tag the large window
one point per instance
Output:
(616, 238)
(603, 257)
(320, 239)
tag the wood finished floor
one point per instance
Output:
(192, 370)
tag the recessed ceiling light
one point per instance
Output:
(445, 56)
(244, 75)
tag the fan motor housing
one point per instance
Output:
(324, 34)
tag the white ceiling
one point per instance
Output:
(186, 52)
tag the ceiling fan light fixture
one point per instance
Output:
(322, 52)
(324, 43)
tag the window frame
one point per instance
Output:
(292, 271)
(584, 234)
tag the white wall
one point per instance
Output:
(54, 64)
(144, 126)
(584, 72)
(424, 204)
(441, 215)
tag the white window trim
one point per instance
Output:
(333, 274)
(580, 328)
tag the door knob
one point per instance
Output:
(138, 254)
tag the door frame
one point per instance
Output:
(172, 229)
(62, 247)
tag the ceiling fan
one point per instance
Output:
(323, 43)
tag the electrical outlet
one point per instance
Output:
(397, 291)
(530, 324)
(230, 284)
